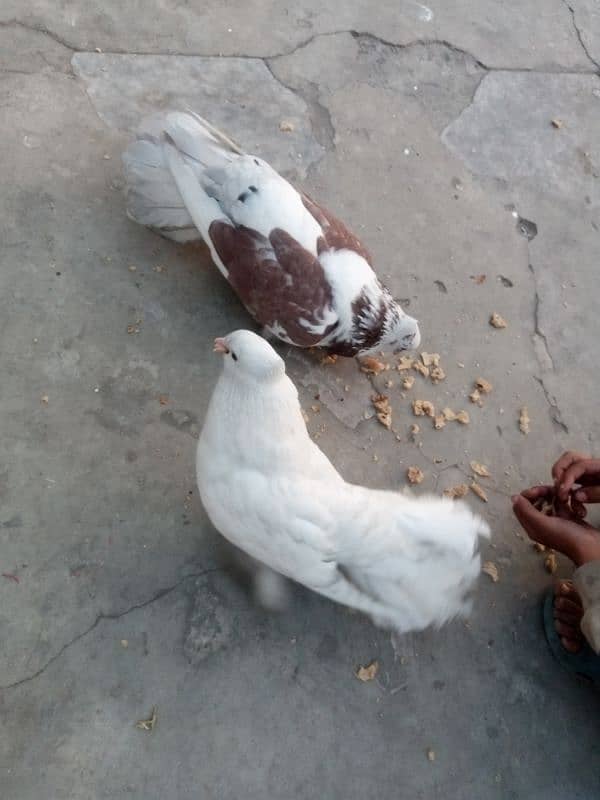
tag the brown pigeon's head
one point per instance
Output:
(380, 324)
(249, 356)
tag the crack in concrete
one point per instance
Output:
(555, 414)
(30, 26)
(580, 37)
(156, 596)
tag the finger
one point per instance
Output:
(568, 458)
(537, 492)
(578, 508)
(554, 532)
(573, 473)
(565, 630)
(565, 592)
(589, 495)
(568, 617)
(568, 606)
(571, 645)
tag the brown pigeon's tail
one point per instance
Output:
(153, 196)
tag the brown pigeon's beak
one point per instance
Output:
(220, 346)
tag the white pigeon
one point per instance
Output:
(407, 562)
(298, 270)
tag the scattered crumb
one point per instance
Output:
(479, 491)
(463, 418)
(375, 457)
(304, 415)
(381, 403)
(539, 547)
(423, 408)
(524, 420)
(163, 399)
(326, 360)
(457, 491)
(550, 563)
(484, 386)
(439, 422)
(405, 362)
(285, 126)
(475, 397)
(45, 399)
(367, 673)
(480, 469)
(492, 570)
(415, 475)
(346, 388)
(315, 409)
(408, 382)
(159, 268)
(430, 359)
(389, 384)
(415, 429)
(479, 279)
(147, 724)
(421, 368)
(437, 374)
(556, 123)
(132, 268)
(449, 415)
(430, 754)
(371, 365)
(496, 321)
(124, 643)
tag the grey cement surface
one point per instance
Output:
(428, 128)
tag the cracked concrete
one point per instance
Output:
(428, 127)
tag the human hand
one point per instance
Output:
(577, 468)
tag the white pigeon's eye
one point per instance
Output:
(233, 355)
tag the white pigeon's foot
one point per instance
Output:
(270, 589)
(267, 334)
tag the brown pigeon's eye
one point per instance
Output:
(233, 355)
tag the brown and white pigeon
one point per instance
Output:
(408, 562)
(299, 271)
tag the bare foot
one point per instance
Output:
(568, 612)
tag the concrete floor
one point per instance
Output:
(429, 129)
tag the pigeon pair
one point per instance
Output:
(406, 562)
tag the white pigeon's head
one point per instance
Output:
(249, 356)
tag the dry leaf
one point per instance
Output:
(381, 403)
(326, 360)
(479, 491)
(147, 724)
(550, 563)
(367, 673)
(463, 418)
(415, 475)
(439, 422)
(557, 123)
(480, 469)
(437, 374)
(479, 279)
(405, 362)
(430, 754)
(475, 397)
(524, 420)
(483, 385)
(457, 491)
(371, 365)
(285, 126)
(449, 415)
(408, 382)
(430, 359)
(492, 570)
(496, 321)
(423, 408)
(421, 368)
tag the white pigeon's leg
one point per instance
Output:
(267, 333)
(270, 589)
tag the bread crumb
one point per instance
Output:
(437, 374)
(381, 403)
(463, 418)
(423, 408)
(556, 123)
(430, 754)
(550, 563)
(483, 385)
(421, 368)
(496, 321)
(405, 362)
(492, 570)
(371, 365)
(449, 415)
(480, 469)
(315, 409)
(367, 673)
(439, 422)
(539, 547)
(285, 126)
(430, 359)
(328, 359)
(457, 491)
(408, 382)
(415, 429)
(475, 397)
(415, 475)
(524, 420)
(304, 415)
(479, 491)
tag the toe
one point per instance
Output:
(566, 604)
(570, 645)
(565, 629)
(572, 618)
(565, 589)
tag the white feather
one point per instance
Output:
(407, 562)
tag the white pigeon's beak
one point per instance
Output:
(220, 346)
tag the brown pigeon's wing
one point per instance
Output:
(336, 235)
(282, 285)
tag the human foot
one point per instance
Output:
(568, 612)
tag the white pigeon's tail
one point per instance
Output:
(168, 170)
(416, 560)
